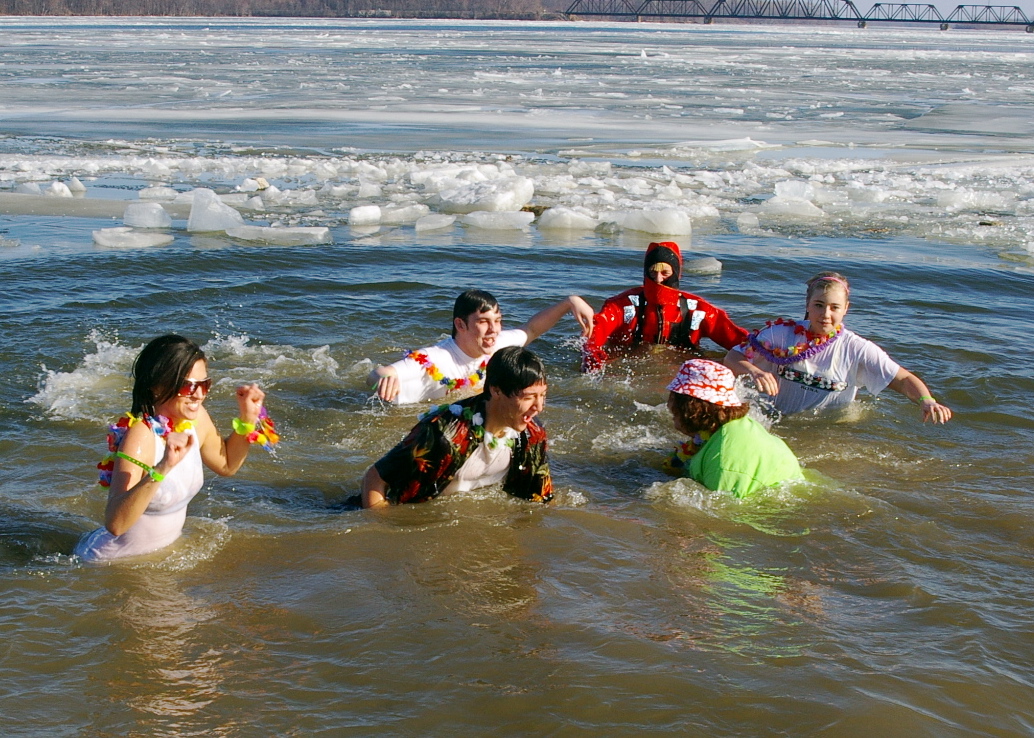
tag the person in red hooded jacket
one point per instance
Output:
(658, 312)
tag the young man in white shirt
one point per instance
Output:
(458, 363)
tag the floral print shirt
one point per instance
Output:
(428, 458)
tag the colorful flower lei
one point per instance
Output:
(262, 432)
(450, 384)
(801, 351)
(477, 423)
(161, 426)
(679, 460)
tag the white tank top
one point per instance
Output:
(162, 522)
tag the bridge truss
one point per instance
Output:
(792, 10)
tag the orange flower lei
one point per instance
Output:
(450, 384)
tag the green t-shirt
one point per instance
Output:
(742, 457)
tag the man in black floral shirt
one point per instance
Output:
(482, 440)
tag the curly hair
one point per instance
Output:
(693, 415)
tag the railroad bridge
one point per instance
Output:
(801, 10)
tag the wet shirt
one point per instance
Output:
(416, 383)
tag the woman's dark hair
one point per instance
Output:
(470, 303)
(695, 415)
(160, 369)
(514, 369)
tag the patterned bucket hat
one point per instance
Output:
(708, 381)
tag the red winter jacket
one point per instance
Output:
(654, 313)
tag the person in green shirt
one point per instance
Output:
(727, 450)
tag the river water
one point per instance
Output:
(889, 595)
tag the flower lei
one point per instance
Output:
(679, 460)
(477, 423)
(161, 426)
(450, 384)
(262, 432)
(801, 351)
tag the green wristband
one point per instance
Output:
(241, 428)
(155, 475)
(924, 398)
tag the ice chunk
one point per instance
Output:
(566, 218)
(75, 186)
(702, 265)
(58, 189)
(747, 222)
(963, 199)
(364, 215)
(209, 213)
(434, 222)
(254, 203)
(794, 190)
(791, 208)
(128, 238)
(368, 190)
(28, 188)
(157, 193)
(292, 236)
(669, 222)
(507, 193)
(253, 185)
(146, 215)
(405, 214)
(496, 221)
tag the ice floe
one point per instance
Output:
(125, 237)
(282, 236)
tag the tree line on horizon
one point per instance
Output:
(474, 9)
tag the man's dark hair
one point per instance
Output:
(471, 302)
(513, 369)
(160, 369)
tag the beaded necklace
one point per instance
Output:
(450, 384)
(161, 426)
(800, 351)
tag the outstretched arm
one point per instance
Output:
(914, 389)
(543, 320)
(740, 364)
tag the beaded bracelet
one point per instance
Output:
(155, 475)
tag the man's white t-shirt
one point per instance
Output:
(415, 382)
(489, 463)
(829, 380)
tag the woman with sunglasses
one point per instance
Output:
(158, 448)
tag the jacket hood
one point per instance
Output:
(664, 252)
